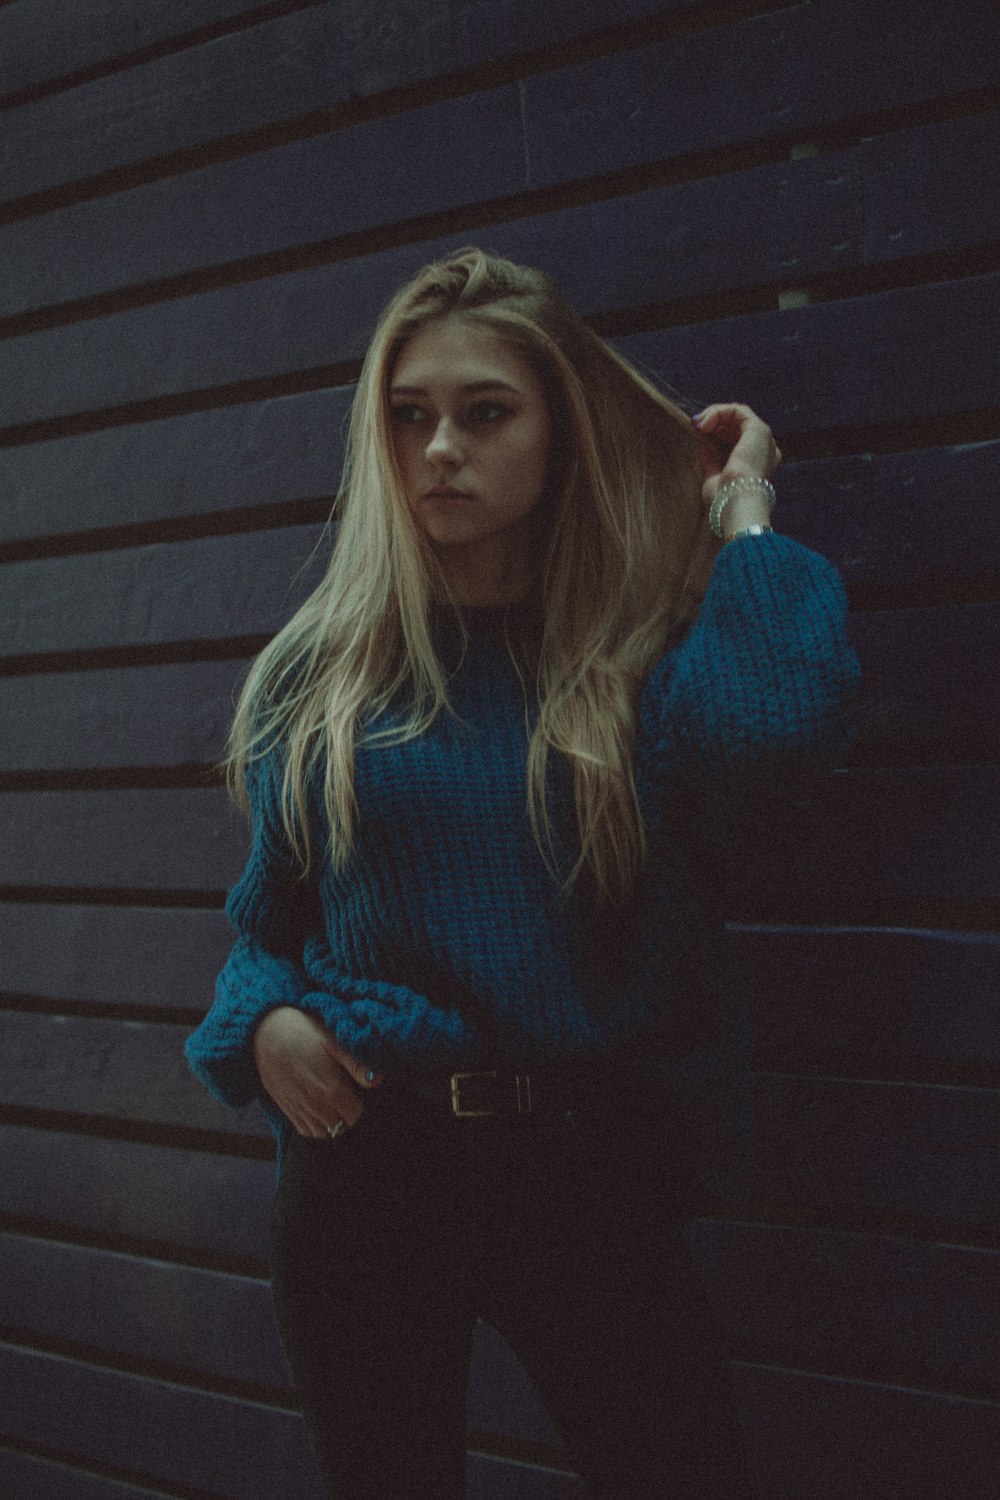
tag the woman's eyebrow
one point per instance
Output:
(470, 389)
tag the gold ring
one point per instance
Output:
(334, 1130)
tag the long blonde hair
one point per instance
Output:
(625, 559)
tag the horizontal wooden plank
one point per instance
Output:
(95, 954)
(487, 1478)
(666, 241)
(829, 1300)
(213, 588)
(834, 1145)
(204, 463)
(716, 87)
(153, 1430)
(861, 837)
(835, 1301)
(289, 449)
(821, 1144)
(922, 680)
(871, 839)
(843, 1440)
(33, 1478)
(170, 715)
(43, 40)
(770, 75)
(115, 1070)
(315, 59)
(820, 1299)
(925, 1315)
(145, 840)
(188, 1200)
(128, 1070)
(113, 1307)
(931, 1444)
(922, 668)
(893, 997)
(891, 356)
(815, 366)
(891, 516)
(887, 993)
(841, 209)
(923, 192)
(375, 174)
(170, 1435)
(883, 993)
(906, 997)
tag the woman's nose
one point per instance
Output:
(444, 444)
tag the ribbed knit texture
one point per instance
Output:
(446, 942)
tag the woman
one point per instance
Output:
(495, 767)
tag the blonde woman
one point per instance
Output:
(493, 767)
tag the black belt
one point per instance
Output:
(505, 1093)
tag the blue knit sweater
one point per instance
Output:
(446, 942)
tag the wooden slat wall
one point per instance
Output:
(202, 207)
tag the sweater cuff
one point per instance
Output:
(386, 1026)
(220, 1052)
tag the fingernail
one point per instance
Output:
(372, 1077)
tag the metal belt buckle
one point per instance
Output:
(522, 1095)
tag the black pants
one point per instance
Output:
(387, 1243)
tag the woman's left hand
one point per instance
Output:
(752, 451)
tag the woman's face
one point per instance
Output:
(471, 432)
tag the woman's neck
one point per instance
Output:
(498, 572)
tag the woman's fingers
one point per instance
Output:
(322, 1128)
(752, 451)
(363, 1075)
(313, 1081)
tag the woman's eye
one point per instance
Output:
(482, 411)
(407, 413)
(489, 411)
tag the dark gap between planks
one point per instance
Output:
(140, 1132)
(66, 895)
(230, 522)
(493, 73)
(846, 1218)
(164, 653)
(867, 756)
(905, 272)
(360, 243)
(115, 779)
(186, 1256)
(155, 1488)
(101, 1010)
(872, 1068)
(868, 1371)
(151, 1369)
(182, 42)
(794, 1061)
(490, 73)
(942, 916)
(976, 425)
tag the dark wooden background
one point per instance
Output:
(202, 206)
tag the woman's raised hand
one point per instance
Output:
(311, 1079)
(752, 451)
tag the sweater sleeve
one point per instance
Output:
(761, 685)
(273, 911)
(280, 958)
